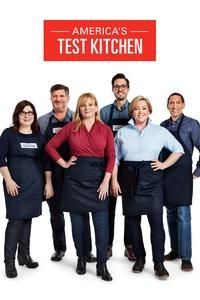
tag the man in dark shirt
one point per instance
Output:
(178, 181)
(116, 115)
(50, 124)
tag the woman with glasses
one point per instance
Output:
(22, 162)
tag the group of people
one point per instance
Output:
(81, 162)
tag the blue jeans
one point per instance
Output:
(79, 223)
(179, 225)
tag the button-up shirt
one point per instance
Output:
(189, 133)
(131, 144)
(121, 113)
(44, 120)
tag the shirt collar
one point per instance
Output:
(124, 106)
(177, 121)
(132, 122)
(69, 114)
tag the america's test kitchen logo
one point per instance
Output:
(99, 40)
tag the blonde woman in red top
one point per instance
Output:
(87, 176)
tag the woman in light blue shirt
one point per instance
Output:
(138, 146)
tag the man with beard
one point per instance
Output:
(50, 124)
(116, 115)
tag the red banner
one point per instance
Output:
(99, 40)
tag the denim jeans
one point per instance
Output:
(79, 224)
(179, 225)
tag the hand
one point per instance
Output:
(115, 189)
(12, 187)
(103, 190)
(48, 190)
(157, 165)
(66, 164)
(71, 161)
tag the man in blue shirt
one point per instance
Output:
(178, 181)
(116, 115)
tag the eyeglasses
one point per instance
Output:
(118, 87)
(26, 113)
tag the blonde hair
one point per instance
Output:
(136, 100)
(78, 119)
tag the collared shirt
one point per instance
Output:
(121, 113)
(189, 133)
(131, 144)
(44, 120)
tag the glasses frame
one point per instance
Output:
(26, 113)
(122, 87)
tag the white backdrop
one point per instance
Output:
(24, 75)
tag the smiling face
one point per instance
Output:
(120, 89)
(26, 117)
(175, 106)
(88, 109)
(59, 101)
(140, 112)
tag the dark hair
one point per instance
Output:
(57, 87)
(19, 108)
(119, 76)
(176, 94)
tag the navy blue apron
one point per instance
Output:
(178, 179)
(64, 151)
(116, 124)
(26, 171)
(81, 182)
(142, 192)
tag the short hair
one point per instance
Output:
(136, 100)
(119, 76)
(57, 87)
(176, 94)
(19, 108)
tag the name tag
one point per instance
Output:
(117, 127)
(29, 145)
(55, 130)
